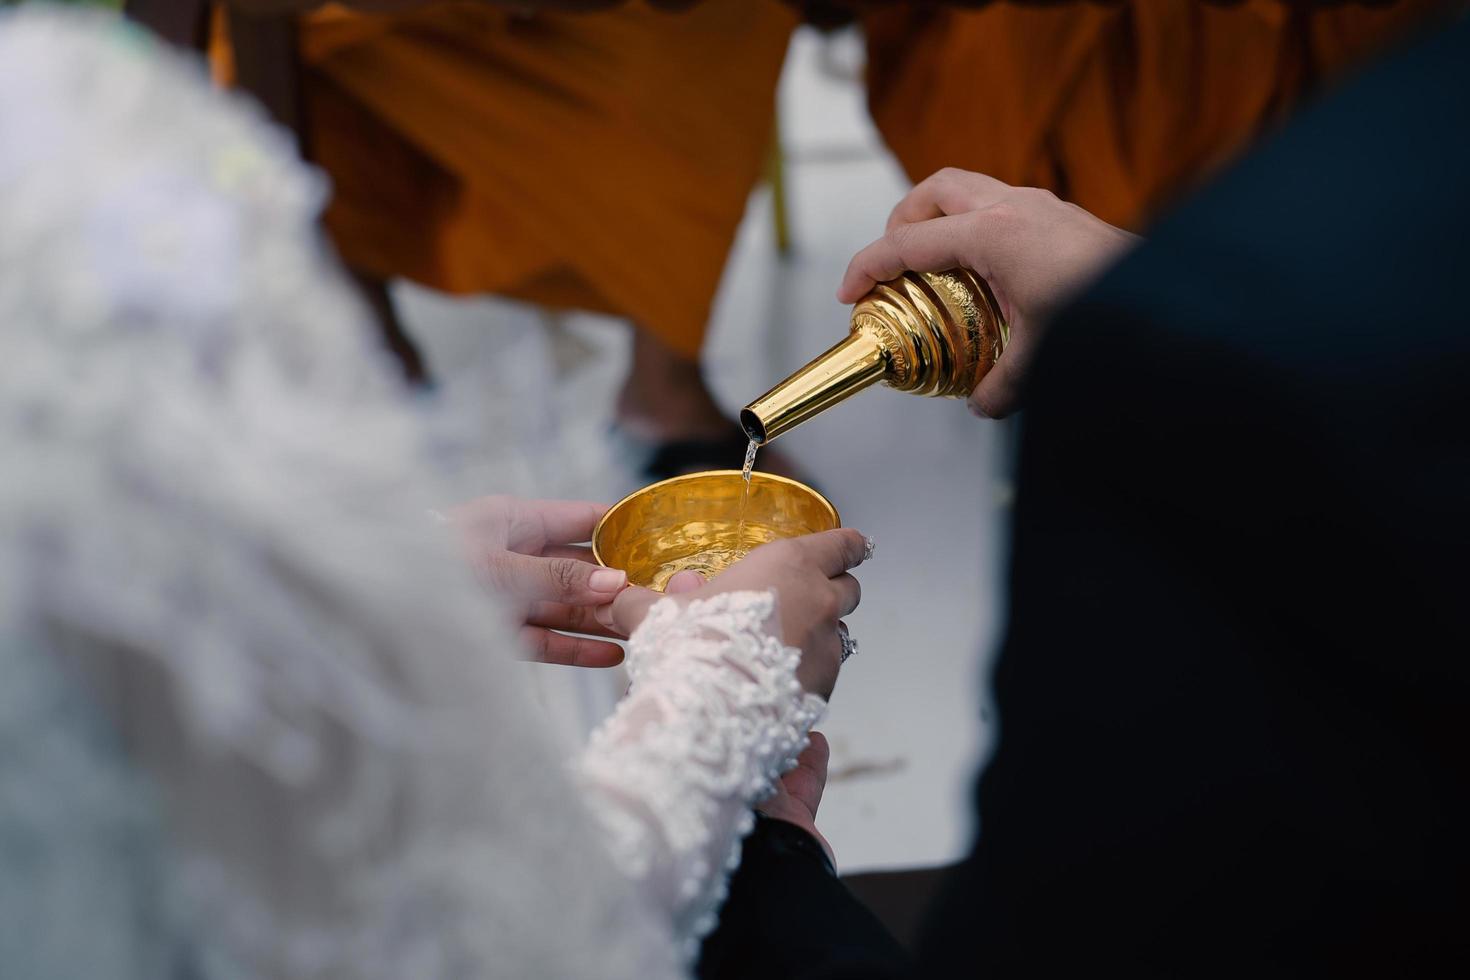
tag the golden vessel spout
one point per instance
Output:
(845, 369)
(928, 333)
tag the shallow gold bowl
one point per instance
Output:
(694, 522)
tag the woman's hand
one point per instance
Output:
(813, 592)
(532, 552)
(1035, 251)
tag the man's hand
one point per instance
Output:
(532, 553)
(1035, 251)
(799, 792)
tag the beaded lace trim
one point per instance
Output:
(714, 716)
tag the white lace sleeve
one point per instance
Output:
(714, 716)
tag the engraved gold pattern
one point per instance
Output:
(926, 333)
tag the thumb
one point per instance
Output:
(565, 580)
(685, 581)
(624, 613)
(999, 393)
(806, 782)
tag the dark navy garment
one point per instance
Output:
(1234, 694)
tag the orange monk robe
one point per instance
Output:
(1117, 109)
(592, 161)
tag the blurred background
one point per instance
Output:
(925, 479)
(626, 224)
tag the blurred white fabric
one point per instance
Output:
(256, 718)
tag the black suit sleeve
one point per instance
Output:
(1234, 693)
(788, 917)
(1236, 657)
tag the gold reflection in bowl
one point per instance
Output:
(694, 522)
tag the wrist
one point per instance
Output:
(789, 839)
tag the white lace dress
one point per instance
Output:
(715, 715)
(256, 718)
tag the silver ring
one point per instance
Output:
(849, 645)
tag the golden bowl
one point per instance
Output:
(696, 522)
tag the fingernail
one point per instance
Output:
(607, 580)
(868, 544)
(604, 615)
(975, 410)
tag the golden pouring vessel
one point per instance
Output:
(927, 333)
